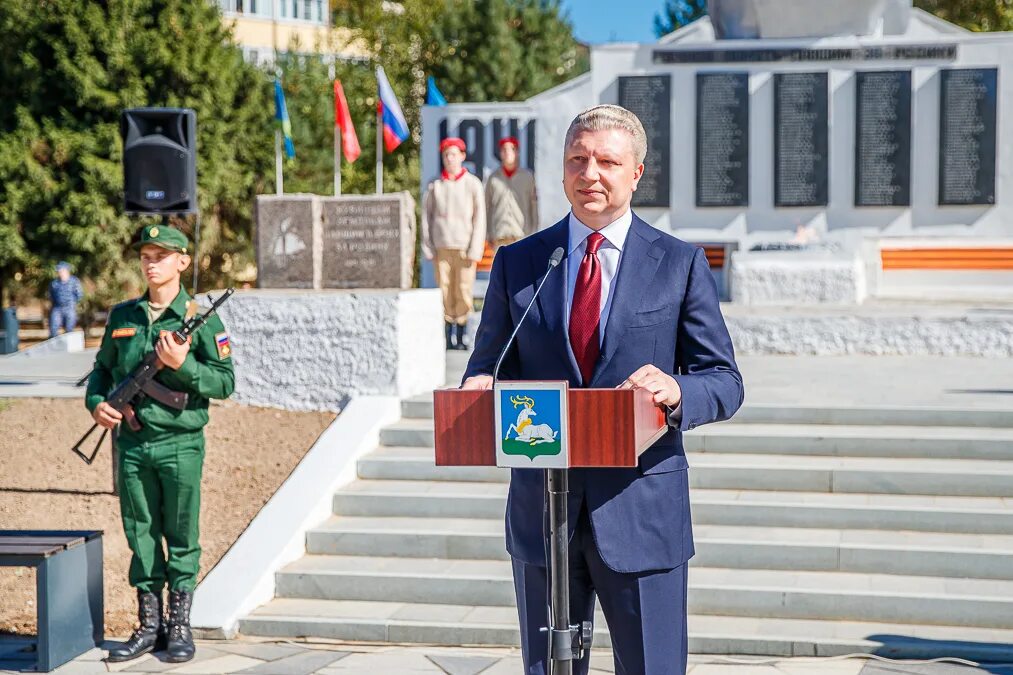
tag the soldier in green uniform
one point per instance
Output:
(160, 465)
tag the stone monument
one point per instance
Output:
(352, 241)
(288, 241)
(368, 241)
(870, 122)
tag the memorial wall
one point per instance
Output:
(751, 140)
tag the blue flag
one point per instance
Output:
(433, 94)
(281, 115)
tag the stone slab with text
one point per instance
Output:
(352, 241)
(368, 241)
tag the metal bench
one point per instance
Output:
(68, 585)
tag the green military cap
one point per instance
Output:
(162, 235)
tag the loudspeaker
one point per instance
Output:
(159, 160)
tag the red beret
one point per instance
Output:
(509, 139)
(453, 142)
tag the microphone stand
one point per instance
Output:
(567, 641)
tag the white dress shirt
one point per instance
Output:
(609, 255)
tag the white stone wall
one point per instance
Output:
(891, 331)
(314, 350)
(798, 277)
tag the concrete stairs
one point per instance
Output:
(818, 531)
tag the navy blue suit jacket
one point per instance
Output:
(665, 312)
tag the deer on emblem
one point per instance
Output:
(527, 431)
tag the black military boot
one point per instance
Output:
(180, 647)
(450, 336)
(460, 338)
(149, 636)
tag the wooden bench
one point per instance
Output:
(68, 582)
(949, 258)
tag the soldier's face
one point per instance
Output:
(600, 175)
(161, 265)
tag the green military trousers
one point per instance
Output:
(159, 486)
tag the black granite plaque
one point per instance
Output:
(801, 150)
(967, 104)
(722, 139)
(650, 99)
(883, 138)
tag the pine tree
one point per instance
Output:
(678, 13)
(976, 15)
(67, 70)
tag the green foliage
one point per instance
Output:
(678, 13)
(67, 70)
(976, 15)
(69, 67)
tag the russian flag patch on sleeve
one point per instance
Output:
(222, 343)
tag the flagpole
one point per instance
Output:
(337, 160)
(379, 150)
(279, 178)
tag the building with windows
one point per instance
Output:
(263, 26)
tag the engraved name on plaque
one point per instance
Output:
(967, 104)
(883, 138)
(722, 139)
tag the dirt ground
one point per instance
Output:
(43, 485)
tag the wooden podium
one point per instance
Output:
(605, 428)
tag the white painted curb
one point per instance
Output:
(244, 578)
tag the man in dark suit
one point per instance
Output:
(630, 307)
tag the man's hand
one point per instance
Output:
(169, 353)
(664, 387)
(480, 382)
(106, 416)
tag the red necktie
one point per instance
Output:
(585, 312)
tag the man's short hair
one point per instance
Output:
(604, 117)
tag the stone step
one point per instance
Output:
(853, 441)
(396, 622)
(872, 551)
(879, 475)
(458, 499)
(846, 596)
(421, 407)
(801, 439)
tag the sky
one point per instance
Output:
(598, 21)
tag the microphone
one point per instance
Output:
(554, 261)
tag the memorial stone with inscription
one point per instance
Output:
(288, 237)
(722, 139)
(801, 151)
(650, 99)
(883, 138)
(352, 241)
(368, 241)
(967, 136)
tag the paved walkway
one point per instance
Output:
(302, 658)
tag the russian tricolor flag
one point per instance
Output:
(395, 127)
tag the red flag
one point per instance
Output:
(343, 120)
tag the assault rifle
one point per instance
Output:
(140, 383)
